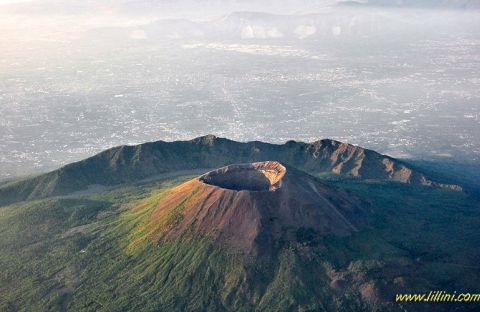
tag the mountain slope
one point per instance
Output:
(126, 164)
(104, 251)
(253, 208)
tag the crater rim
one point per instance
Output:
(263, 176)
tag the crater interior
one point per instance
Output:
(259, 176)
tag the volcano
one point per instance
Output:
(265, 231)
(254, 207)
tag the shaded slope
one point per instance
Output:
(127, 164)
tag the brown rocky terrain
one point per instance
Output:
(254, 207)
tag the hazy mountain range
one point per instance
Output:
(444, 4)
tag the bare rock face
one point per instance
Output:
(254, 207)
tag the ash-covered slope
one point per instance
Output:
(126, 164)
(254, 208)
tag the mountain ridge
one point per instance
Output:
(126, 164)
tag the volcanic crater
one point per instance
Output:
(256, 177)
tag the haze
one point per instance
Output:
(77, 77)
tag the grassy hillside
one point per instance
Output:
(84, 254)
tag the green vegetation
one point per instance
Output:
(92, 253)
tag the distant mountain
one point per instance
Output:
(445, 4)
(126, 164)
(354, 20)
(248, 25)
